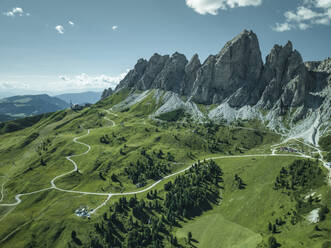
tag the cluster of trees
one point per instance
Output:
(147, 222)
(239, 182)
(209, 131)
(149, 167)
(41, 148)
(105, 139)
(272, 242)
(323, 212)
(193, 189)
(273, 227)
(301, 174)
(139, 172)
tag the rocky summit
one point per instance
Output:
(237, 77)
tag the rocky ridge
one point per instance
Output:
(282, 92)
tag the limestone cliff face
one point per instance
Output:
(237, 67)
(237, 76)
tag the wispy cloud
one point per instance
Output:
(309, 14)
(62, 83)
(17, 11)
(14, 85)
(85, 81)
(114, 28)
(71, 23)
(213, 6)
(281, 27)
(59, 29)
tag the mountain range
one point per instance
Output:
(80, 98)
(27, 105)
(287, 94)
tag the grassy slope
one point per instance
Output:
(242, 217)
(48, 217)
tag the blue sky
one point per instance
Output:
(78, 45)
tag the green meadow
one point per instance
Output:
(35, 151)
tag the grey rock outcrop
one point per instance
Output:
(233, 73)
(284, 76)
(237, 66)
(236, 79)
(171, 77)
(191, 70)
(106, 93)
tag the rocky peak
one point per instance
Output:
(191, 70)
(153, 68)
(237, 76)
(284, 76)
(172, 74)
(193, 64)
(237, 65)
(319, 66)
(106, 93)
(141, 66)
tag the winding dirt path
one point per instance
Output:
(109, 195)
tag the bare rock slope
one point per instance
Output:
(287, 94)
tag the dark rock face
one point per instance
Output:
(237, 66)
(106, 93)
(171, 77)
(237, 75)
(153, 68)
(191, 70)
(284, 76)
(134, 75)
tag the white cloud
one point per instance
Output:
(26, 84)
(212, 6)
(323, 21)
(71, 23)
(301, 14)
(303, 26)
(281, 27)
(64, 78)
(14, 85)
(323, 4)
(9, 13)
(85, 81)
(17, 11)
(60, 29)
(307, 15)
(114, 28)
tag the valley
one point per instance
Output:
(83, 157)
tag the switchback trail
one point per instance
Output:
(109, 195)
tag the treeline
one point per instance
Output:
(301, 174)
(192, 190)
(154, 166)
(105, 139)
(295, 180)
(147, 223)
(139, 172)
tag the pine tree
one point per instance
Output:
(189, 237)
(270, 226)
(274, 228)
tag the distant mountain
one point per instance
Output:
(28, 105)
(80, 98)
(285, 93)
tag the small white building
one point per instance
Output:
(82, 212)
